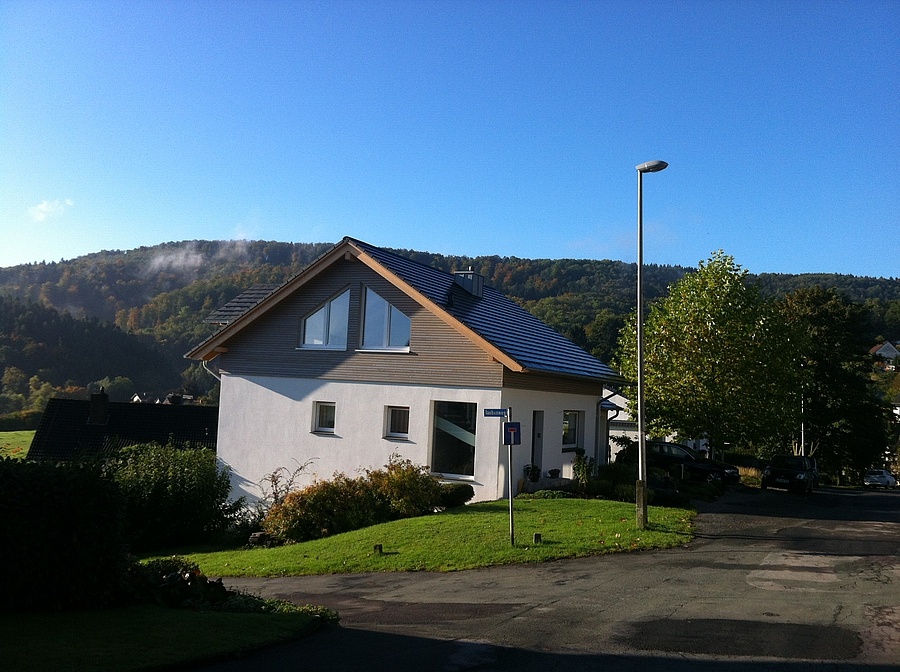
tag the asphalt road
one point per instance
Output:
(773, 581)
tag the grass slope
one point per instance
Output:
(15, 444)
(466, 538)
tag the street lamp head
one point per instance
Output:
(652, 167)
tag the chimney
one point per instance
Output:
(470, 281)
(99, 409)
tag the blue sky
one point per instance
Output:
(464, 127)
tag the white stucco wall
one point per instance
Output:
(267, 422)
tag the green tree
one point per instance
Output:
(717, 360)
(15, 381)
(39, 393)
(845, 416)
(118, 388)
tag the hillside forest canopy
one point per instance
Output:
(123, 319)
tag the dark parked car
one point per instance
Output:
(730, 473)
(676, 461)
(789, 472)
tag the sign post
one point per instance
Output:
(512, 436)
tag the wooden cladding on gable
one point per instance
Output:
(438, 354)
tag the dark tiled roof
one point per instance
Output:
(497, 319)
(240, 304)
(65, 431)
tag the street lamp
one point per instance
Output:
(640, 489)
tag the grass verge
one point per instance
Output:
(466, 538)
(15, 444)
(138, 637)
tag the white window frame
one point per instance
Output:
(389, 431)
(391, 312)
(579, 422)
(327, 343)
(318, 427)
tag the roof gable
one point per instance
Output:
(885, 349)
(502, 328)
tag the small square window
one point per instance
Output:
(397, 422)
(324, 418)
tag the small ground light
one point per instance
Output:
(379, 550)
(537, 538)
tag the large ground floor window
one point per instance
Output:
(453, 446)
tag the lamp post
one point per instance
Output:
(640, 489)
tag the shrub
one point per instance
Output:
(454, 495)
(325, 508)
(410, 490)
(178, 582)
(62, 530)
(173, 495)
(618, 473)
(626, 493)
(546, 494)
(582, 471)
(400, 490)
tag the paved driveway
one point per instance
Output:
(773, 581)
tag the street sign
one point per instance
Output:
(512, 433)
(495, 412)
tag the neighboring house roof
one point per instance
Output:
(71, 428)
(886, 350)
(240, 304)
(512, 335)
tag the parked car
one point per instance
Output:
(814, 463)
(676, 461)
(879, 478)
(789, 472)
(730, 473)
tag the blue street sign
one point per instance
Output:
(512, 433)
(495, 412)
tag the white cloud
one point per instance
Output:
(49, 209)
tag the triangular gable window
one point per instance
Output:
(384, 326)
(327, 327)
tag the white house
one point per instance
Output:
(366, 353)
(888, 355)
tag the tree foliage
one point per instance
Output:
(845, 418)
(716, 359)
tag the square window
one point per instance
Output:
(397, 422)
(324, 418)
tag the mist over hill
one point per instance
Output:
(157, 298)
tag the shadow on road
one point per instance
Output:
(340, 649)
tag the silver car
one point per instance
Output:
(879, 478)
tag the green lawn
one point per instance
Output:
(15, 444)
(473, 536)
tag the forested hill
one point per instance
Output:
(164, 292)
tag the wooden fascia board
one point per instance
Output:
(441, 314)
(213, 346)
